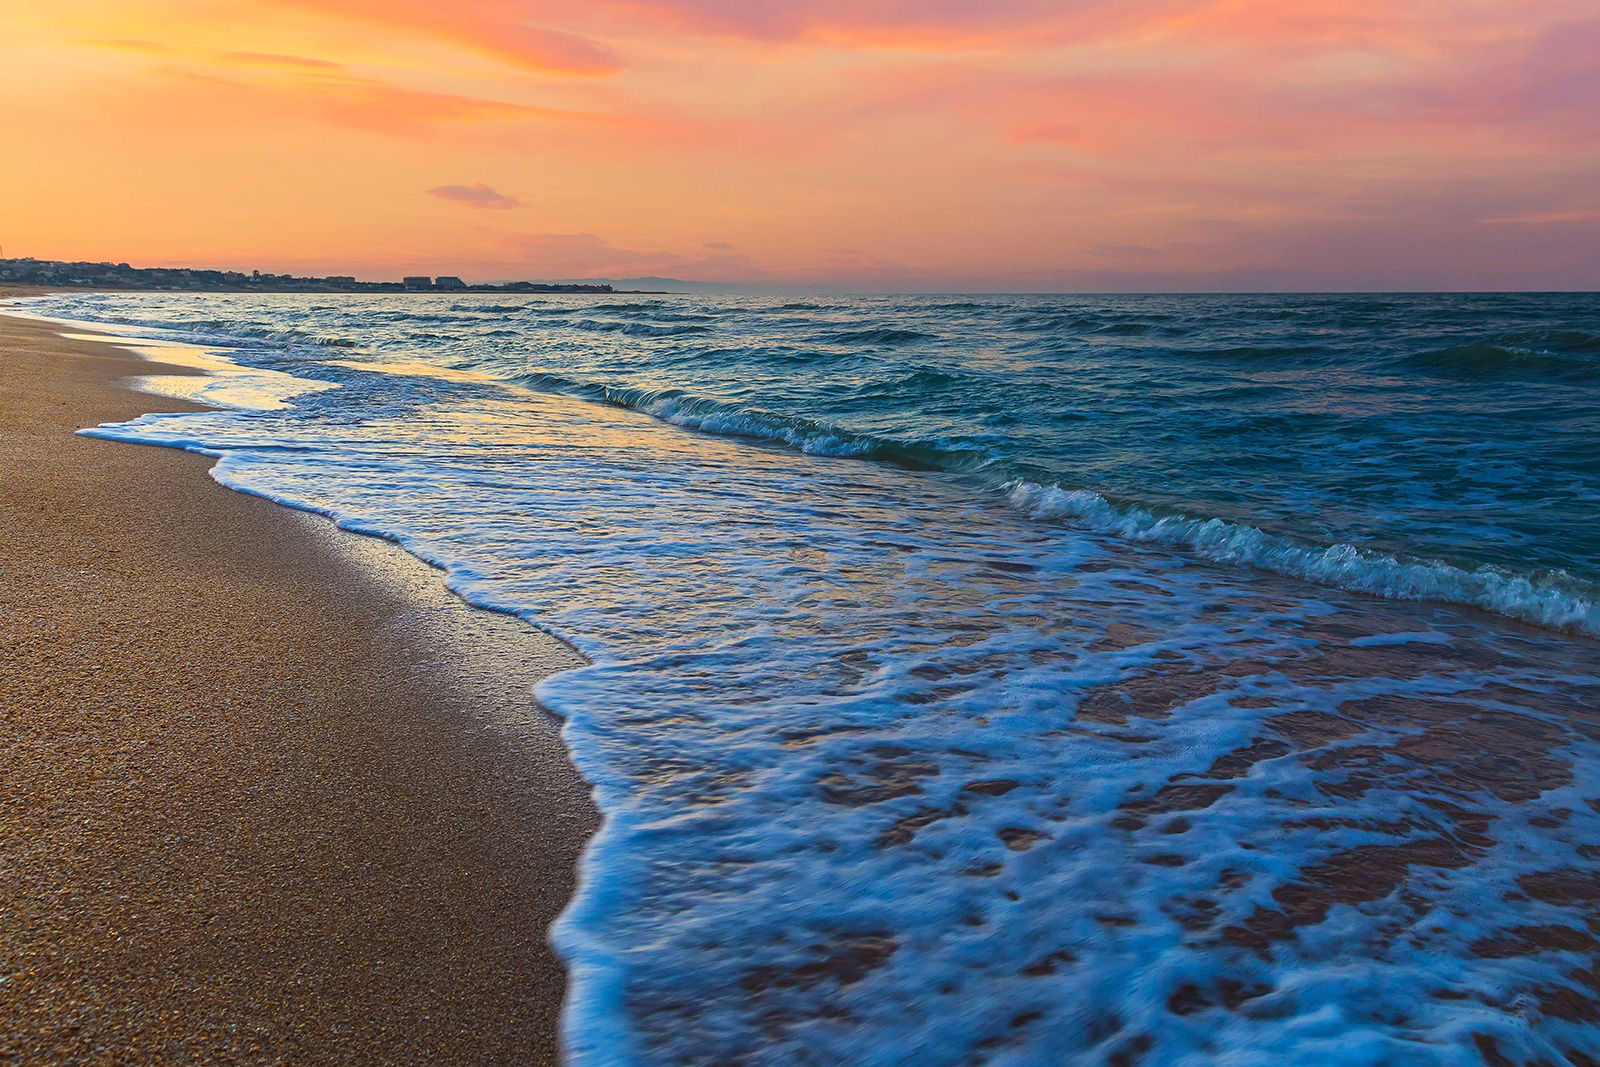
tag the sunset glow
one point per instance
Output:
(880, 145)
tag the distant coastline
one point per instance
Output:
(85, 275)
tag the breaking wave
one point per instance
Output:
(1555, 600)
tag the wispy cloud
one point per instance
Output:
(274, 59)
(478, 195)
(366, 103)
(128, 44)
(497, 28)
(1543, 218)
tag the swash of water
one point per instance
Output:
(1035, 680)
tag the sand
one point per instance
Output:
(267, 791)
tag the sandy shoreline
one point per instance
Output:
(269, 791)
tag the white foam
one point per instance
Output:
(1556, 600)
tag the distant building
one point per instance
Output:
(30, 271)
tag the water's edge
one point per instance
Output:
(565, 934)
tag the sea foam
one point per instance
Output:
(1556, 600)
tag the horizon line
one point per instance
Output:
(811, 288)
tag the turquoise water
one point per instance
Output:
(1008, 680)
(1462, 428)
(1453, 432)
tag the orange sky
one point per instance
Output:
(883, 145)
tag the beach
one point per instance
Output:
(270, 792)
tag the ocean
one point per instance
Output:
(1032, 680)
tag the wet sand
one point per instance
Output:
(268, 791)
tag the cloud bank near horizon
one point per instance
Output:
(875, 144)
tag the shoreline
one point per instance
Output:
(274, 792)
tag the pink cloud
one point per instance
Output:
(889, 19)
(362, 103)
(497, 28)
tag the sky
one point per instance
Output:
(867, 145)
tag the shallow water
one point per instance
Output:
(970, 702)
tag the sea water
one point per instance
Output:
(1007, 680)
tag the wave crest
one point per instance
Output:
(1554, 599)
(1483, 359)
(636, 329)
(880, 336)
